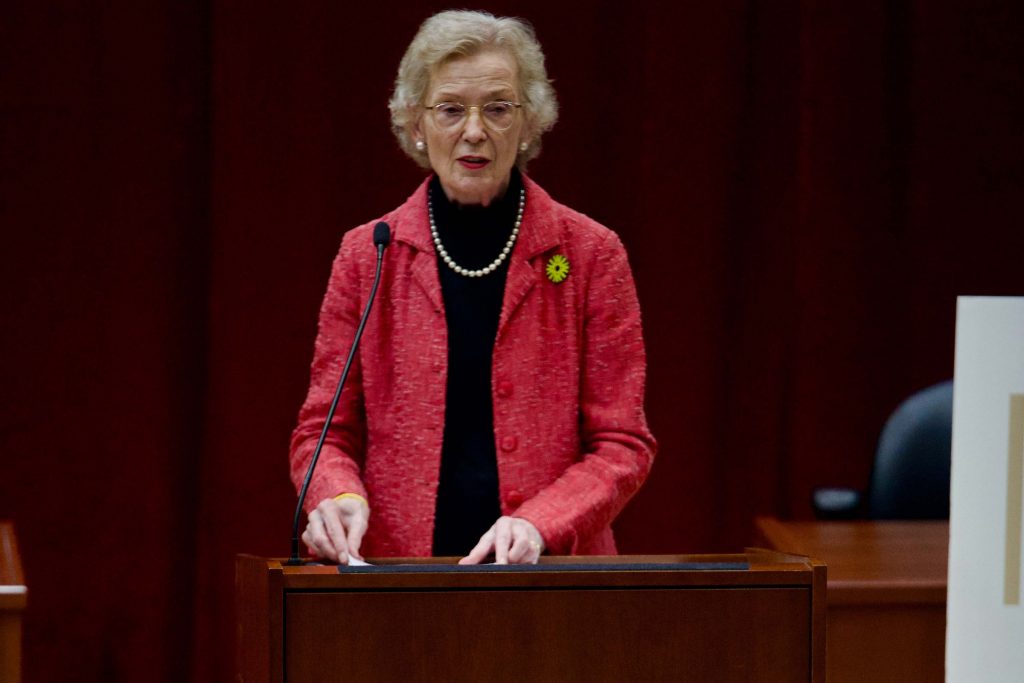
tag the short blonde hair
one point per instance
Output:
(461, 33)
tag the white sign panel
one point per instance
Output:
(985, 617)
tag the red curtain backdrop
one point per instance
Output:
(804, 188)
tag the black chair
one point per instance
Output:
(910, 477)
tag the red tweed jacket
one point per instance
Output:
(567, 383)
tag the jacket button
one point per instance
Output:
(515, 499)
(509, 443)
(504, 389)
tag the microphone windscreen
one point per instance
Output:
(381, 234)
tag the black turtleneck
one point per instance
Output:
(467, 497)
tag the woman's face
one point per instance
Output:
(473, 161)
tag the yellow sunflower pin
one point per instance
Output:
(557, 268)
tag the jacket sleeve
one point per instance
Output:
(338, 470)
(617, 448)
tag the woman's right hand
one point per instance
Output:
(335, 529)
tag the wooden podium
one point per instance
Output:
(757, 616)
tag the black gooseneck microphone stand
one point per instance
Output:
(381, 238)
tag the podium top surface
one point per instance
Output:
(755, 567)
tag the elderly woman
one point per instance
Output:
(496, 405)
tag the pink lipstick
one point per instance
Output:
(473, 163)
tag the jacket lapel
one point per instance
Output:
(521, 278)
(412, 227)
(424, 272)
(538, 234)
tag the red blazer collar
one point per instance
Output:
(538, 234)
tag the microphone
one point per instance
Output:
(381, 239)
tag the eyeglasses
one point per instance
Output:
(498, 115)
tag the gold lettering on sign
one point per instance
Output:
(1014, 491)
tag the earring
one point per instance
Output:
(523, 146)
(420, 145)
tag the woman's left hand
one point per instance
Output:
(513, 540)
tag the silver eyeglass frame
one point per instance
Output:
(468, 109)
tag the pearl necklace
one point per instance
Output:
(496, 262)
